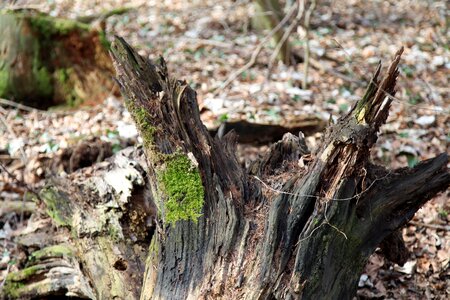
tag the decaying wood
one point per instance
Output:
(47, 61)
(294, 225)
(260, 133)
(105, 224)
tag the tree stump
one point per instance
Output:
(179, 218)
(47, 61)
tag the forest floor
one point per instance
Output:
(204, 42)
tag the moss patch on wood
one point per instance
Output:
(179, 178)
(58, 207)
(51, 251)
(184, 189)
(146, 129)
(64, 86)
(49, 26)
(55, 56)
(15, 282)
(12, 289)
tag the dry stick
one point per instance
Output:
(6, 276)
(311, 8)
(18, 105)
(24, 160)
(8, 128)
(287, 33)
(26, 108)
(432, 226)
(21, 182)
(255, 53)
(14, 206)
(207, 42)
(314, 63)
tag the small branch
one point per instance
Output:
(4, 278)
(18, 105)
(319, 66)
(255, 53)
(17, 206)
(287, 33)
(311, 8)
(401, 196)
(20, 182)
(432, 226)
(104, 15)
(11, 131)
(290, 29)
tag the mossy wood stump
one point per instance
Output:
(47, 61)
(179, 218)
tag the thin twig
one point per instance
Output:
(15, 206)
(319, 66)
(311, 8)
(207, 42)
(289, 30)
(11, 131)
(20, 182)
(4, 279)
(18, 105)
(321, 197)
(255, 53)
(287, 33)
(432, 226)
(327, 221)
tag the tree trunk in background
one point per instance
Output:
(179, 218)
(268, 15)
(48, 61)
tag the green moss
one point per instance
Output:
(104, 40)
(52, 251)
(142, 120)
(49, 26)
(57, 206)
(12, 289)
(23, 274)
(183, 187)
(43, 80)
(62, 75)
(4, 78)
(180, 180)
(15, 281)
(64, 87)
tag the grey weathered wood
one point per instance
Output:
(306, 236)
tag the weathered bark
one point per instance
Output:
(203, 227)
(48, 61)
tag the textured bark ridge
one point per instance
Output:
(179, 218)
(312, 239)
